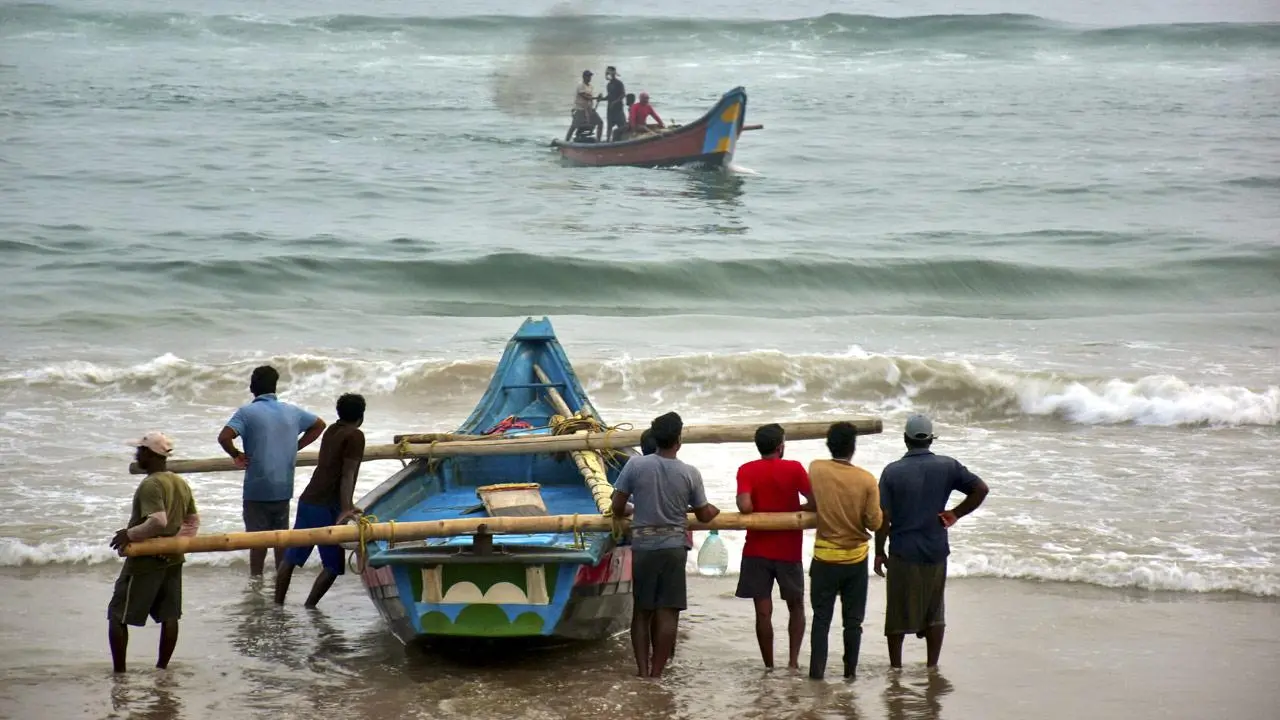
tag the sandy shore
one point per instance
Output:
(1014, 650)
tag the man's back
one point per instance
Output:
(913, 491)
(662, 490)
(341, 441)
(269, 429)
(848, 505)
(775, 485)
(161, 492)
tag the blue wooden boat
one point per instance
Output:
(563, 585)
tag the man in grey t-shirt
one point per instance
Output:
(662, 489)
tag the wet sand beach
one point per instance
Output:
(1014, 649)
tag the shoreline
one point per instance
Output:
(1014, 649)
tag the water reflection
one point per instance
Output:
(145, 696)
(916, 698)
(723, 189)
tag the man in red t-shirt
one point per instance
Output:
(772, 484)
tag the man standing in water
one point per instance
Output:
(663, 489)
(848, 512)
(914, 493)
(151, 585)
(270, 430)
(772, 484)
(615, 92)
(328, 499)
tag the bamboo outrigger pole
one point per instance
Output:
(590, 463)
(421, 530)
(528, 444)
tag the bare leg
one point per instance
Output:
(640, 621)
(257, 558)
(668, 622)
(764, 629)
(168, 641)
(795, 631)
(933, 643)
(323, 582)
(118, 638)
(283, 575)
(895, 650)
(277, 555)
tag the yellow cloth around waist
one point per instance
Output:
(829, 552)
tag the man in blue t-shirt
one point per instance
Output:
(913, 495)
(269, 430)
(662, 489)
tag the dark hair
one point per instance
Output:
(769, 438)
(611, 68)
(351, 407)
(647, 444)
(263, 380)
(631, 98)
(916, 443)
(842, 439)
(666, 430)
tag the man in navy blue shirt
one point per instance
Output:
(913, 494)
(269, 429)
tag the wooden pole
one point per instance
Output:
(437, 437)
(422, 530)
(539, 444)
(752, 127)
(590, 463)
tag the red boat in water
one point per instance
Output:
(707, 142)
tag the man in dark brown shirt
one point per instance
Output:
(328, 498)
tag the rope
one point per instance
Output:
(364, 523)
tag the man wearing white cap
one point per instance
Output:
(913, 495)
(151, 584)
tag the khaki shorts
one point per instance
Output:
(915, 597)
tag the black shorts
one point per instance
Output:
(157, 593)
(617, 116)
(270, 515)
(755, 581)
(657, 579)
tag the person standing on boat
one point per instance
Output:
(772, 484)
(640, 114)
(328, 498)
(615, 92)
(914, 493)
(269, 429)
(151, 584)
(848, 504)
(663, 489)
(584, 111)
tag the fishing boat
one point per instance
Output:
(708, 142)
(573, 585)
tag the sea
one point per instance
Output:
(1052, 227)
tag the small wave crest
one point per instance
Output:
(767, 381)
(837, 28)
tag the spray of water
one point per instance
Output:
(539, 81)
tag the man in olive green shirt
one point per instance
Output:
(151, 584)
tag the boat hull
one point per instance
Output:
(708, 142)
(594, 602)
(573, 585)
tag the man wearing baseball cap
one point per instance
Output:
(913, 495)
(151, 584)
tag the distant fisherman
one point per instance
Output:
(664, 489)
(584, 112)
(151, 585)
(328, 499)
(913, 494)
(615, 92)
(640, 114)
(269, 429)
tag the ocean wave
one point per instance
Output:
(768, 381)
(839, 28)
(513, 283)
(1114, 570)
